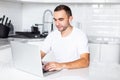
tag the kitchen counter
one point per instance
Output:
(5, 42)
(9, 72)
(96, 71)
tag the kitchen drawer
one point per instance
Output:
(104, 53)
(110, 53)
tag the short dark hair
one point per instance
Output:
(65, 8)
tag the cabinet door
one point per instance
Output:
(110, 53)
(112, 1)
(5, 55)
(65, 1)
(94, 52)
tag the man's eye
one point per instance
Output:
(54, 19)
(61, 19)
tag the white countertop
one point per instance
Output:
(7, 72)
(5, 42)
(98, 71)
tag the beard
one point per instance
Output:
(61, 28)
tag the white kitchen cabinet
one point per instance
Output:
(112, 1)
(5, 55)
(60, 1)
(11, 0)
(94, 52)
(104, 53)
(74, 1)
(110, 53)
(65, 1)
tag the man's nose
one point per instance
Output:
(57, 23)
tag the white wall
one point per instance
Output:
(33, 13)
(13, 11)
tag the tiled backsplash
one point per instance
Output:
(105, 21)
(13, 11)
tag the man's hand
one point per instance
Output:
(51, 66)
(79, 63)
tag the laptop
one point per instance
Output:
(26, 57)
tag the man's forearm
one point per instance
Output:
(42, 54)
(80, 63)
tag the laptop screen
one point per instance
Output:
(26, 57)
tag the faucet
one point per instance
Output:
(47, 21)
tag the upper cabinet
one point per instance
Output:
(11, 0)
(67, 1)
(112, 1)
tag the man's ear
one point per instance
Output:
(70, 18)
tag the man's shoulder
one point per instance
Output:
(79, 34)
(78, 31)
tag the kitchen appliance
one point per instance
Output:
(4, 27)
(35, 30)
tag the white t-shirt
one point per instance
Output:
(66, 49)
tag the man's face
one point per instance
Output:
(62, 21)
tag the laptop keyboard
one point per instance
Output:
(44, 71)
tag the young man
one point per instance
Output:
(68, 44)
